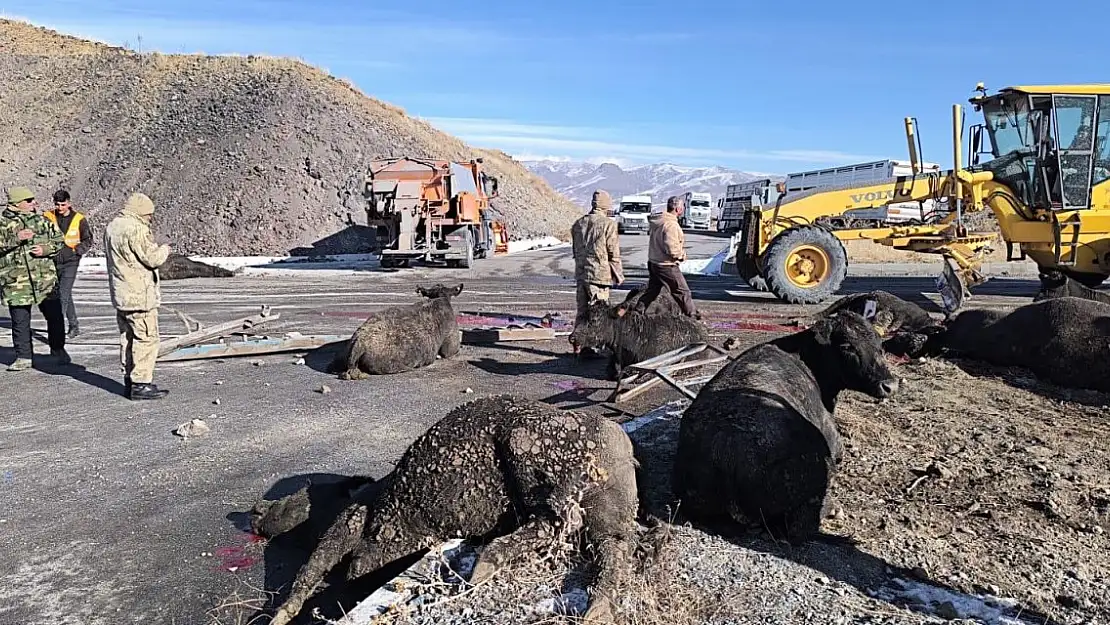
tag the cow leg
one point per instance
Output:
(338, 541)
(369, 557)
(512, 547)
(613, 556)
(451, 344)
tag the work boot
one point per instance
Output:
(74, 332)
(146, 391)
(20, 364)
(61, 355)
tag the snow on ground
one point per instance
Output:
(946, 604)
(705, 266)
(264, 265)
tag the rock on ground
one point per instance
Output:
(242, 155)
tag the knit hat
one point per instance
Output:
(19, 194)
(139, 204)
(601, 201)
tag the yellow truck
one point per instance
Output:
(1046, 179)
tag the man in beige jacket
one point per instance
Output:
(666, 249)
(597, 253)
(133, 262)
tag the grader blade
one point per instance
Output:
(952, 287)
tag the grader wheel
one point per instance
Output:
(805, 265)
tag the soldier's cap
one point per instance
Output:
(139, 204)
(602, 200)
(19, 194)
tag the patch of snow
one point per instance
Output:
(705, 266)
(340, 262)
(948, 604)
(573, 603)
(670, 410)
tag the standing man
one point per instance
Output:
(597, 254)
(78, 239)
(133, 261)
(28, 276)
(666, 249)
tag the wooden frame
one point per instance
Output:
(664, 366)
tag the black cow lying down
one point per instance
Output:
(1063, 340)
(904, 326)
(178, 267)
(633, 336)
(402, 338)
(665, 304)
(512, 470)
(759, 444)
(1055, 283)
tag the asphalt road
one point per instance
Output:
(108, 518)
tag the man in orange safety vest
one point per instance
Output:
(78, 238)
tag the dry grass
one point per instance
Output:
(241, 607)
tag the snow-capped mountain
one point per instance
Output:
(577, 181)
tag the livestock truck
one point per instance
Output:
(698, 209)
(432, 211)
(633, 212)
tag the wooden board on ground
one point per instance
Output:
(495, 335)
(253, 347)
(216, 331)
(663, 368)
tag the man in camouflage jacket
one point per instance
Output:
(597, 253)
(133, 259)
(28, 277)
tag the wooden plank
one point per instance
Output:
(674, 384)
(672, 356)
(495, 335)
(251, 347)
(691, 364)
(216, 331)
(636, 390)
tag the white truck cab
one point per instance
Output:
(698, 209)
(632, 213)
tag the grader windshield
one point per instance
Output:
(1049, 148)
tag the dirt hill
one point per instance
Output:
(242, 155)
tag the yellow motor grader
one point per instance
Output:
(1046, 180)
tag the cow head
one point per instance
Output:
(851, 347)
(1053, 284)
(439, 291)
(597, 328)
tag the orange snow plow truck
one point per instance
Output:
(432, 211)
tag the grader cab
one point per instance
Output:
(432, 211)
(1047, 182)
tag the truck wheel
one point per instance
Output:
(805, 265)
(468, 241)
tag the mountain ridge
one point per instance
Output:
(577, 180)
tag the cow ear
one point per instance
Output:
(822, 331)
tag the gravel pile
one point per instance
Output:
(243, 155)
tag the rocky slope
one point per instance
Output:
(242, 155)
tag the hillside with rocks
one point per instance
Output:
(242, 155)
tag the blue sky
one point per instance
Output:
(774, 87)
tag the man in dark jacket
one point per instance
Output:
(78, 239)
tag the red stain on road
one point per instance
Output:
(235, 557)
